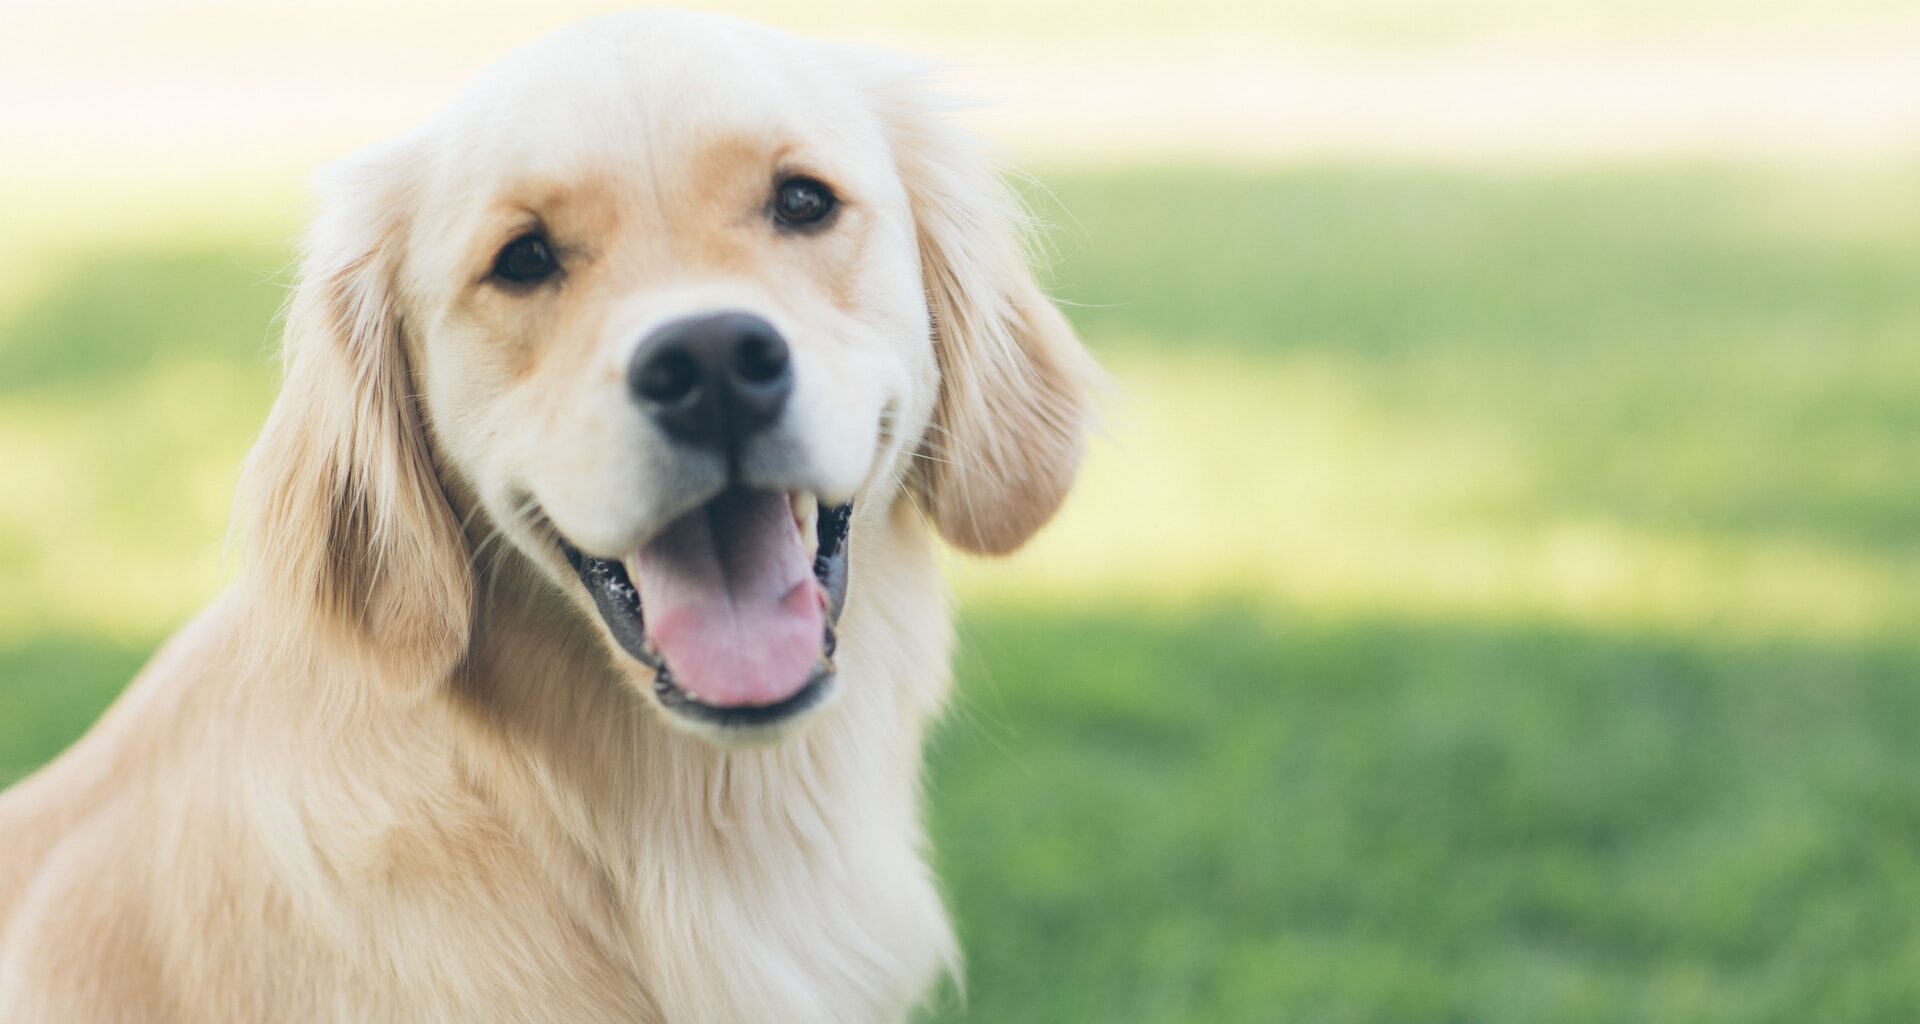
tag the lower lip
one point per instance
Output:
(677, 702)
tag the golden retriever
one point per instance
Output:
(591, 621)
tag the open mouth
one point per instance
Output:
(732, 605)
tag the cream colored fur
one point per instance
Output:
(398, 772)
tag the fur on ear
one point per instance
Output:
(350, 532)
(1010, 423)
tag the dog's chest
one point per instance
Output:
(767, 938)
(850, 936)
(707, 913)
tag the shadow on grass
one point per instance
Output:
(1233, 815)
(51, 689)
(1381, 260)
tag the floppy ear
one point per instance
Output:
(349, 528)
(1010, 422)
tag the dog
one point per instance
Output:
(591, 618)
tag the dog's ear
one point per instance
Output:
(349, 529)
(1010, 423)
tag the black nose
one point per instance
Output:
(712, 380)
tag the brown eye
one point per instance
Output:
(526, 260)
(802, 202)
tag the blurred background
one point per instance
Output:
(1495, 596)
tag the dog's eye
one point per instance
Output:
(526, 260)
(802, 202)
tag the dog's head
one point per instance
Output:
(669, 301)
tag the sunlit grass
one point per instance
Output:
(132, 546)
(1301, 481)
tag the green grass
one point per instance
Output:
(1233, 814)
(1497, 599)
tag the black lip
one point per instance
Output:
(618, 602)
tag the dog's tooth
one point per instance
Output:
(806, 518)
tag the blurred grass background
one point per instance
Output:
(1495, 599)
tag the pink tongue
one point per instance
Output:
(731, 603)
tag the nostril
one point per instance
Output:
(760, 359)
(668, 377)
